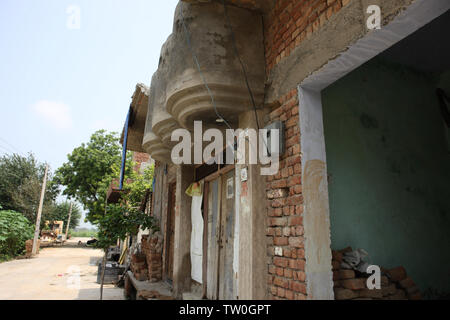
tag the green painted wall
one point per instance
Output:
(389, 169)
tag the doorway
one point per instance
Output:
(220, 236)
(170, 233)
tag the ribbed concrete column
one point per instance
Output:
(182, 258)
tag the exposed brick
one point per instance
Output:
(288, 273)
(337, 255)
(289, 294)
(415, 296)
(335, 264)
(407, 283)
(297, 264)
(281, 292)
(280, 282)
(277, 193)
(295, 221)
(346, 274)
(344, 294)
(280, 241)
(277, 221)
(300, 276)
(367, 293)
(389, 290)
(296, 242)
(279, 184)
(297, 286)
(354, 284)
(384, 281)
(398, 295)
(397, 274)
(280, 262)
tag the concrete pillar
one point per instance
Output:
(252, 280)
(182, 248)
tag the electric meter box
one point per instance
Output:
(272, 150)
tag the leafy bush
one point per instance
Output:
(15, 229)
(121, 220)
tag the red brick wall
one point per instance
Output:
(139, 158)
(286, 272)
(291, 21)
(286, 26)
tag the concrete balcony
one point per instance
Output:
(162, 124)
(157, 117)
(178, 95)
(211, 40)
(156, 148)
(194, 103)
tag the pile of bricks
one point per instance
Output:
(29, 247)
(152, 248)
(352, 285)
(138, 266)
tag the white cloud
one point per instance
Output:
(57, 113)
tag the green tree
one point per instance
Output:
(120, 221)
(15, 229)
(60, 212)
(88, 165)
(21, 183)
(124, 218)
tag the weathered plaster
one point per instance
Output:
(182, 248)
(316, 216)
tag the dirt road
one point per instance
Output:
(57, 273)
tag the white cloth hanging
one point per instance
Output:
(197, 239)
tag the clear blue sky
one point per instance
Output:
(59, 85)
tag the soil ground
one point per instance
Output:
(67, 272)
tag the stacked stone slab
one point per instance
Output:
(152, 248)
(139, 267)
(29, 247)
(352, 285)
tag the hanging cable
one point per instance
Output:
(8, 150)
(12, 146)
(236, 51)
(244, 72)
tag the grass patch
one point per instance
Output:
(83, 233)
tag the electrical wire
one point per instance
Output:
(12, 146)
(244, 72)
(8, 151)
(236, 51)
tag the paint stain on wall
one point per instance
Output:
(317, 230)
(316, 200)
(244, 189)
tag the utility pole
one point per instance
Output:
(68, 220)
(38, 218)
